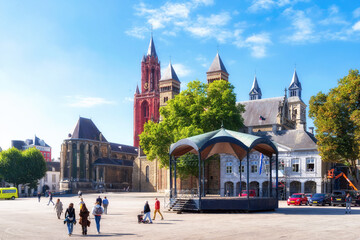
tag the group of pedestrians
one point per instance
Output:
(70, 216)
(147, 211)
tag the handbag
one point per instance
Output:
(88, 223)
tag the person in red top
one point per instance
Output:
(157, 209)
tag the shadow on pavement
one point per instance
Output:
(109, 234)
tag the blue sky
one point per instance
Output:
(63, 59)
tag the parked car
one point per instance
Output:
(338, 197)
(320, 199)
(297, 199)
(244, 193)
(309, 195)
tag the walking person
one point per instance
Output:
(99, 200)
(348, 201)
(157, 209)
(105, 204)
(84, 222)
(97, 211)
(81, 202)
(50, 199)
(39, 196)
(70, 218)
(147, 211)
(58, 208)
(80, 193)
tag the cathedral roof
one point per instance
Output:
(170, 74)
(115, 147)
(217, 65)
(255, 89)
(297, 139)
(151, 49)
(261, 111)
(86, 129)
(295, 83)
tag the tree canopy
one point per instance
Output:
(22, 167)
(198, 109)
(336, 117)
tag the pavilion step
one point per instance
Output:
(184, 205)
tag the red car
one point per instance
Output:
(252, 193)
(297, 199)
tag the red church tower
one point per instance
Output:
(147, 102)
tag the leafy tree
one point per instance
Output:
(22, 167)
(198, 109)
(336, 116)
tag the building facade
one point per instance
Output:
(89, 162)
(34, 143)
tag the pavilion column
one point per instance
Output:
(277, 176)
(247, 175)
(240, 178)
(270, 182)
(175, 190)
(199, 158)
(170, 174)
(203, 178)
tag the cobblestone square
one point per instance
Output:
(25, 218)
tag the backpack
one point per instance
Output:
(98, 211)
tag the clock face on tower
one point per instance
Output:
(146, 86)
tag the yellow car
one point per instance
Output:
(8, 193)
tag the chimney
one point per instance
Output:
(311, 130)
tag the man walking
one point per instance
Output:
(50, 199)
(99, 200)
(157, 209)
(348, 201)
(147, 211)
(105, 204)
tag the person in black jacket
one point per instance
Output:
(70, 218)
(99, 200)
(147, 211)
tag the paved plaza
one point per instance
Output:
(25, 218)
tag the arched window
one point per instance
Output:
(147, 173)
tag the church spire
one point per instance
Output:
(295, 86)
(217, 70)
(137, 89)
(151, 50)
(255, 92)
(170, 74)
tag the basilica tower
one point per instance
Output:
(217, 70)
(169, 85)
(297, 107)
(147, 102)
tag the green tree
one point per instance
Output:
(22, 167)
(198, 109)
(336, 117)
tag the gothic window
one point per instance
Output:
(229, 167)
(145, 110)
(295, 164)
(310, 164)
(147, 173)
(152, 79)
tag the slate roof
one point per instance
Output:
(37, 142)
(113, 162)
(170, 74)
(217, 65)
(295, 83)
(296, 139)
(266, 108)
(50, 165)
(151, 49)
(115, 147)
(255, 89)
(86, 129)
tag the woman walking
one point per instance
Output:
(97, 211)
(58, 208)
(84, 222)
(70, 218)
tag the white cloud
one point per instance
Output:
(356, 26)
(333, 17)
(203, 61)
(302, 25)
(128, 99)
(87, 102)
(205, 2)
(257, 43)
(138, 32)
(181, 70)
(356, 12)
(259, 5)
